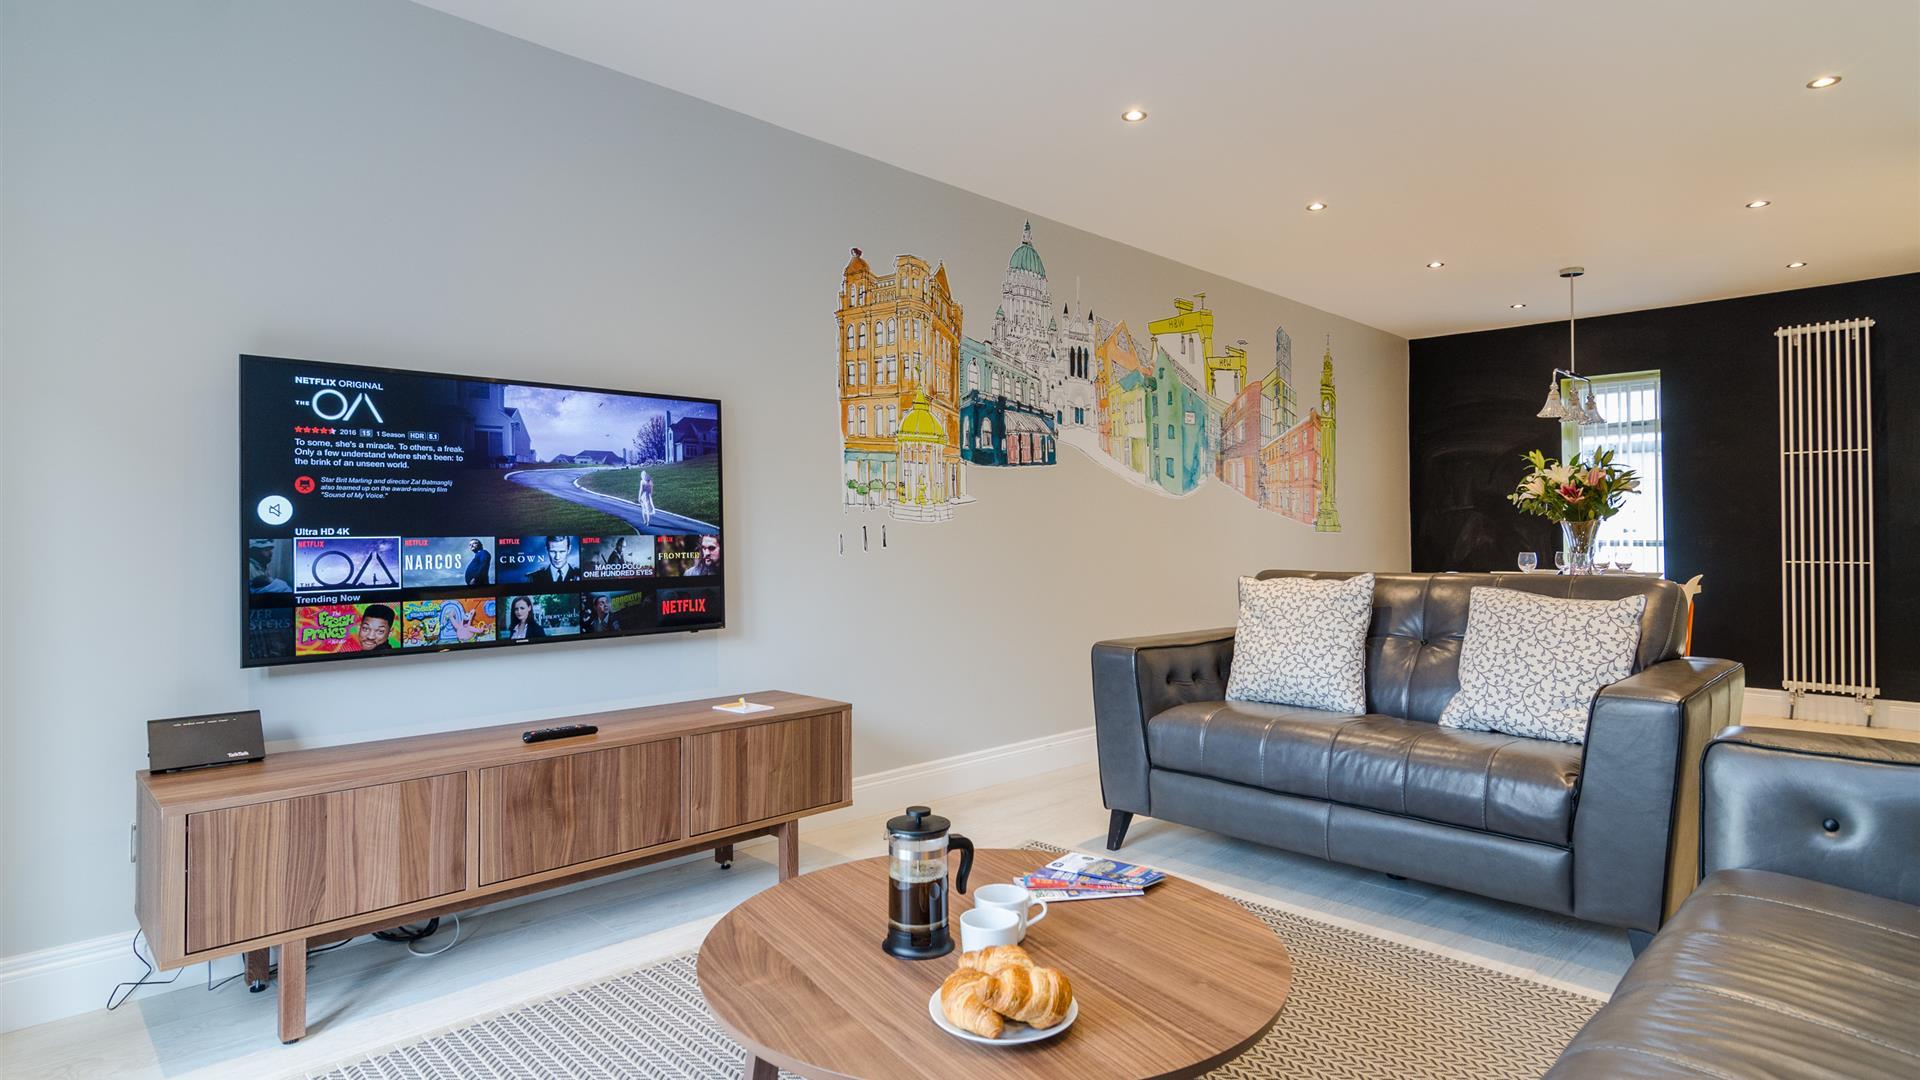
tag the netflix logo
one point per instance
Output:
(688, 606)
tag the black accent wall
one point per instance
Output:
(1472, 399)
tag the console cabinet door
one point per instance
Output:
(749, 774)
(270, 867)
(558, 811)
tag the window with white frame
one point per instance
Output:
(1631, 405)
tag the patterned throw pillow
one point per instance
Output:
(1531, 664)
(1303, 642)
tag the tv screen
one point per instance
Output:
(388, 512)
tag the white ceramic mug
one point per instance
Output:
(1011, 898)
(984, 926)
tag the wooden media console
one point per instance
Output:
(312, 846)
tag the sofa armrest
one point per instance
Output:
(1136, 679)
(1634, 826)
(1840, 809)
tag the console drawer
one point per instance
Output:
(753, 773)
(270, 867)
(558, 811)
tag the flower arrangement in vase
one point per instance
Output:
(1576, 495)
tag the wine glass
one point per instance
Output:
(1529, 561)
(1625, 566)
(1560, 561)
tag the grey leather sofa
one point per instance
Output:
(1799, 955)
(1581, 830)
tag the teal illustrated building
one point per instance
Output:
(1180, 421)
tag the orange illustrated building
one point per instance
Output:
(1292, 465)
(899, 346)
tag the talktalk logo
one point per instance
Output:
(331, 404)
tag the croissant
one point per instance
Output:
(963, 999)
(1038, 996)
(995, 958)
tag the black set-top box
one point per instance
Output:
(189, 742)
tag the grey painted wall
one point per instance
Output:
(371, 181)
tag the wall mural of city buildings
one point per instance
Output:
(921, 402)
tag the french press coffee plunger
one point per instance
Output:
(917, 846)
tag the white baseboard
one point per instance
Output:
(891, 790)
(1833, 709)
(66, 980)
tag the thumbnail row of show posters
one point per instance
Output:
(322, 596)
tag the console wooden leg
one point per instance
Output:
(788, 833)
(723, 855)
(293, 991)
(758, 1070)
(259, 969)
(1117, 828)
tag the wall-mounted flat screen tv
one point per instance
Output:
(385, 512)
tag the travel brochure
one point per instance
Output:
(1085, 877)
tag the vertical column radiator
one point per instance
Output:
(1826, 511)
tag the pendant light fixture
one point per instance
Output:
(1570, 409)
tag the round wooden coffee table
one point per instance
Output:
(1170, 984)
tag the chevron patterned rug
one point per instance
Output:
(1361, 1008)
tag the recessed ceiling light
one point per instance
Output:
(1435, 265)
(1134, 115)
(1316, 206)
(1795, 265)
(1516, 307)
(1758, 203)
(1823, 82)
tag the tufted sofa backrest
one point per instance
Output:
(1419, 621)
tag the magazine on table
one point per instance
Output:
(1111, 870)
(1051, 889)
(1061, 896)
(1057, 880)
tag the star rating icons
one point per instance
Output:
(314, 431)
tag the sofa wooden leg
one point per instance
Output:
(1637, 940)
(1117, 829)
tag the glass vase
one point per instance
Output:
(1578, 539)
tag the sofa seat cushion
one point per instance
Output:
(1523, 788)
(1282, 748)
(1762, 974)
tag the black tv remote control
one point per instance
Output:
(564, 731)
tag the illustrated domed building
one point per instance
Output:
(1020, 332)
(1056, 350)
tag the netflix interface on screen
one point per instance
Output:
(387, 511)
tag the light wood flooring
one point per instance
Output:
(372, 994)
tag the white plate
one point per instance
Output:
(1015, 1034)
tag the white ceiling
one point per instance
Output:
(1505, 137)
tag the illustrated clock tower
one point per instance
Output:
(1328, 519)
